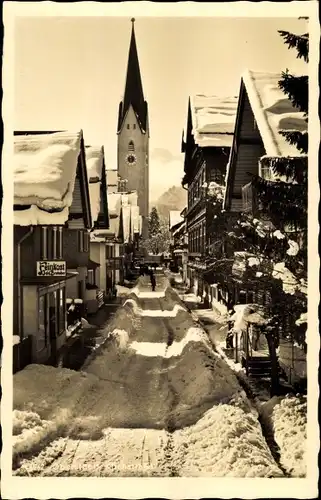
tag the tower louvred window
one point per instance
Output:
(131, 146)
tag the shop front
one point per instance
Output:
(44, 316)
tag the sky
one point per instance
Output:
(70, 74)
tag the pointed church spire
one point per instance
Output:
(134, 94)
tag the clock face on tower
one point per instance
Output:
(131, 159)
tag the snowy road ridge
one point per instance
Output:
(154, 313)
(156, 400)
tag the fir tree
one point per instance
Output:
(154, 222)
(300, 42)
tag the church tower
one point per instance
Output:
(133, 135)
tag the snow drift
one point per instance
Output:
(286, 417)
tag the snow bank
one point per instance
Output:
(213, 120)
(44, 171)
(45, 399)
(191, 297)
(274, 112)
(226, 442)
(154, 349)
(287, 419)
(122, 291)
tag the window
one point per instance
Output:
(131, 146)
(128, 126)
(86, 242)
(54, 243)
(109, 251)
(42, 337)
(134, 126)
(52, 299)
(44, 243)
(61, 310)
(242, 297)
(60, 243)
(81, 241)
(91, 276)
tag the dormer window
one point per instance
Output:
(131, 146)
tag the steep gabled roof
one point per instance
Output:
(95, 161)
(134, 95)
(175, 218)
(45, 168)
(273, 112)
(213, 120)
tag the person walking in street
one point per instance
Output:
(152, 280)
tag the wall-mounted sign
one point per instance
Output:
(51, 268)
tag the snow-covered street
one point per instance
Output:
(155, 400)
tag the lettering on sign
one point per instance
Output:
(51, 268)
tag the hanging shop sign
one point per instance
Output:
(51, 268)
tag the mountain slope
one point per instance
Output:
(175, 198)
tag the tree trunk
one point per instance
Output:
(275, 385)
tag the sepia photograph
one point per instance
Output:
(159, 255)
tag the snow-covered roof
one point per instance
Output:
(112, 180)
(44, 173)
(174, 218)
(273, 111)
(140, 225)
(94, 163)
(124, 205)
(213, 120)
(126, 212)
(134, 219)
(114, 203)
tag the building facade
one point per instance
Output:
(206, 148)
(45, 220)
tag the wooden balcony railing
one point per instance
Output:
(249, 198)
